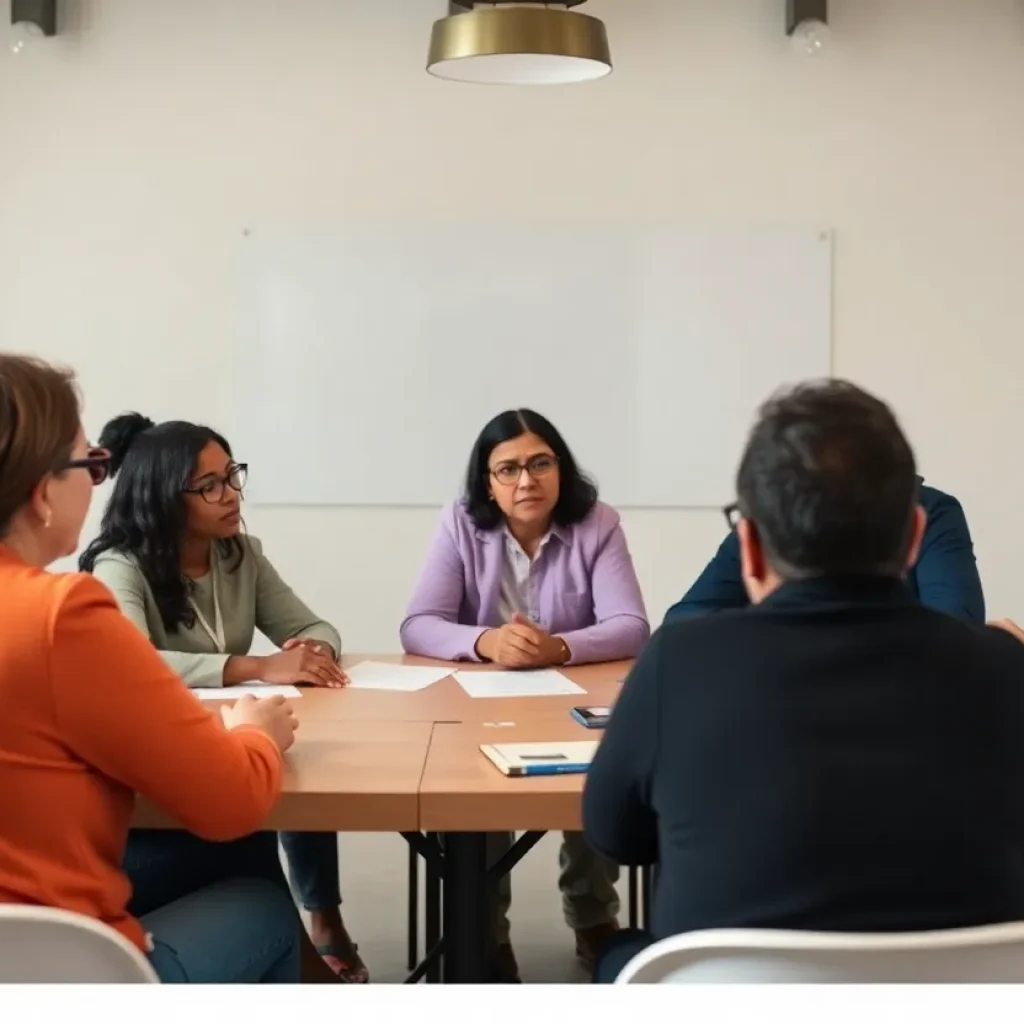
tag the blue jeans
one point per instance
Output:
(240, 931)
(165, 865)
(313, 867)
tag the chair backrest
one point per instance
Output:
(982, 955)
(41, 945)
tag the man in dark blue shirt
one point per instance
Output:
(945, 576)
(838, 756)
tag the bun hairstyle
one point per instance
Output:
(146, 517)
(120, 434)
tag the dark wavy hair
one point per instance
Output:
(145, 516)
(577, 492)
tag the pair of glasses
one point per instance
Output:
(508, 473)
(97, 462)
(732, 514)
(211, 490)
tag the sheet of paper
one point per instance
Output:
(544, 683)
(378, 675)
(256, 689)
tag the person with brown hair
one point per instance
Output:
(92, 715)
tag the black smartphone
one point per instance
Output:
(591, 718)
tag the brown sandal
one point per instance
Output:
(348, 972)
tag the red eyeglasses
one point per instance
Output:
(97, 462)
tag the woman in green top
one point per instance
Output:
(171, 550)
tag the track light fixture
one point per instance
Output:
(807, 25)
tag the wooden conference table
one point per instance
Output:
(385, 761)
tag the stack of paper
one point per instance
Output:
(378, 675)
(258, 690)
(544, 683)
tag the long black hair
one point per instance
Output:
(145, 516)
(577, 492)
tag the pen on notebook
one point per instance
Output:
(550, 764)
(553, 768)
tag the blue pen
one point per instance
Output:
(551, 768)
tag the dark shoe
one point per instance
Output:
(590, 941)
(507, 968)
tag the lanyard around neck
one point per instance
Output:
(216, 634)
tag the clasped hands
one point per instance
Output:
(304, 662)
(521, 644)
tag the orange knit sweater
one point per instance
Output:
(90, 715)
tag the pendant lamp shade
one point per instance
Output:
(519, 46)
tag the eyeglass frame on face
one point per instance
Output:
(733, 514)
(97, 462)
(220, 483)
(530, 466)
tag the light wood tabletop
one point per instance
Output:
(343, 777)
(360, 754)
(462, 791)
(437, 703)
(446, 701)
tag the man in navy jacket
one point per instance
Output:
(945, 576)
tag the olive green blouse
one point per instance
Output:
(252, 596)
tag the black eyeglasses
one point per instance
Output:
(97, 462)
(212, 489)
(732, 514)
(508, 473)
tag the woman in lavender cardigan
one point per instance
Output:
(531, 570)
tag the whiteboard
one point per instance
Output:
(371, 355)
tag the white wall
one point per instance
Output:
(135, 150)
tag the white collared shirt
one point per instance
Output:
(518, 587)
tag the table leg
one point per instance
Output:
(433, 914)
(468, 936)
(413, 953)
(649, 876)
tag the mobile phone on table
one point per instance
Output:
(591, 717)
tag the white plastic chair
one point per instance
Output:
(745, 956)
(41, 945)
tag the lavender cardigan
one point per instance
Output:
(587, 590)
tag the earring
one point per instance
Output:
(47, 520)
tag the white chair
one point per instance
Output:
(40, 945)
(745, 956)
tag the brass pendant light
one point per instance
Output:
(519, 44)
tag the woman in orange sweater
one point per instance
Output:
(79, 735)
